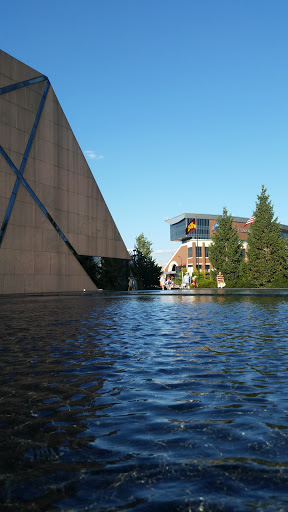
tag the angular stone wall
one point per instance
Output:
(51, 209)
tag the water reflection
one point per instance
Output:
(145, 402)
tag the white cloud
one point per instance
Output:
(164, 251)
(93, 155)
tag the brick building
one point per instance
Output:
(194, 231)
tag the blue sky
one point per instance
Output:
(177, 106)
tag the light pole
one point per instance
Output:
(197, 251)
(181, 270)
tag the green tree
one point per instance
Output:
(145, 268)
(226, 249)
(143, 245)
(267, 250)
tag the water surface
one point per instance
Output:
(144, 402)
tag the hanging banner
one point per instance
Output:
(191, 227)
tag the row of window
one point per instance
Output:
(198, 252)
(178, 270)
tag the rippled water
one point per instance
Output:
(144, 402)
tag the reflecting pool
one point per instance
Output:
(144, 402)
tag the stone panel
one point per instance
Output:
(23, 214)
(24, 263)
(50, 241)
(12, 283)
(58, 263)
(13, 238)
(7, 262)
(42, 263)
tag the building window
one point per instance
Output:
(207, 267)
(199, 267)
(206, 252)
(202, 231)
(189, 252)
(177, 231)
(198, 252)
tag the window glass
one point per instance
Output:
(178, 230)
(107, 273)
(202, 231)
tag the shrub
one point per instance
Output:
(279, 281)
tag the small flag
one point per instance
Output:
(249, 221)
(191, 227)
(216, 225)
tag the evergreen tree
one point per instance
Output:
(145, 268)
(267, 250)
(225, 252)
(143, 245)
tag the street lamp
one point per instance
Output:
(181, 269)
(197, 251)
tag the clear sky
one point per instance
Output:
(178, 106)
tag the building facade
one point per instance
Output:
(194, 231)
(56, 231)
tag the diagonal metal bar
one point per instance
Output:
(13, 195)
(8, 159)
(19, 85)
(37, 200)
(49, 217)
(23, 164)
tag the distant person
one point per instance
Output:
(194, 282)
(168, 283)
(220, 280)
(162, 281)
(186, 280)
(130, 284)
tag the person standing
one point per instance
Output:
(194, 282)
(162, 281)
(220, 280)
(168, 283)
(186, 280)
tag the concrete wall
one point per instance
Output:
(33, 257)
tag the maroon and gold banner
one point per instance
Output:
(191, 227)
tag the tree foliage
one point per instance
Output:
(226, 250)
(143, 245)
(267, 250)
(145, 268)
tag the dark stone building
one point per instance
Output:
(54, 223)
